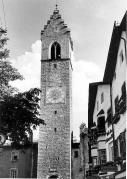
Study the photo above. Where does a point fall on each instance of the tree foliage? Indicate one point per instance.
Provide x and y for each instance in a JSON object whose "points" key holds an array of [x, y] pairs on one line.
{"points": [[19, 112], [7, 71], [19, 115]]}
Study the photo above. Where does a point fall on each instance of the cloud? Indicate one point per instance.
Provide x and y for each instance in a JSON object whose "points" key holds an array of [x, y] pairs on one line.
{"points": [[29, 66], [83, 73]]}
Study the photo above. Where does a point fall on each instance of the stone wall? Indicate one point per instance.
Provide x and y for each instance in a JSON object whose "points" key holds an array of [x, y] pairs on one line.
{"points": [[54, 137]]}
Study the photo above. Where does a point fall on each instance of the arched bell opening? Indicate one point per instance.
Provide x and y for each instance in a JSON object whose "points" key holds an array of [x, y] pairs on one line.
{"points": [[55, 51]]}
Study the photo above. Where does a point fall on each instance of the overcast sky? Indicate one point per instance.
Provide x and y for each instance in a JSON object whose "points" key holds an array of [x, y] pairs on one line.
{"points": [[91, 23]]}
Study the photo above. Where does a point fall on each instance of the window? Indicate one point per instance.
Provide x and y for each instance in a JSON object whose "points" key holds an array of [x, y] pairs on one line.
{"points": [[116, 104], [94, 161], [123, 89], [102, 156], [121, 57], [102, 97], [118, 142], [55, 129], [97, 105], [111, 152], [55, 112], [101, 124], [122, 144], [14, 156], [109, 118], [55, 65], [55, 51], [13, 173], [76, 154]]}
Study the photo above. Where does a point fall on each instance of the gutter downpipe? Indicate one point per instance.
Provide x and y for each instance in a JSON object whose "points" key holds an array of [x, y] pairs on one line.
{"points": [[112, 122]]}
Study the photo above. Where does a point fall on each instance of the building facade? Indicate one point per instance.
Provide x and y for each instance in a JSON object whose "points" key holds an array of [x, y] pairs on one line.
{"points": [[21, 163], [80, 157], [75, 167], [115, 73], [54, 151], [107, 111]]}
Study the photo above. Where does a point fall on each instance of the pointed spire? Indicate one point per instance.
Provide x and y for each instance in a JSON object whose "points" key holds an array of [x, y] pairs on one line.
{"points": [[56, 8]]}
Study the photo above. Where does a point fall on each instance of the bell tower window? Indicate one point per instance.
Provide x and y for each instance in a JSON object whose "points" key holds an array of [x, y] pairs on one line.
{"points": [[55, 51]]}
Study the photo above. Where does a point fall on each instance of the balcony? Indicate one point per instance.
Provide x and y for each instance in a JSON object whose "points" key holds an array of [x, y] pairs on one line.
{"points": [[93, 135], [101, 126], [93, 171], [102, 169], [101, 132], [109, 167]]}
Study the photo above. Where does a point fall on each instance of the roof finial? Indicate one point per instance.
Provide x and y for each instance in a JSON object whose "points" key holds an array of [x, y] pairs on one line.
{"points": [[56, 6]]}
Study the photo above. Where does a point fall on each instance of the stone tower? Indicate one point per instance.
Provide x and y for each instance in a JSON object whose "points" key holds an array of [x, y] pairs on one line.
{"points": [[54, 150]]}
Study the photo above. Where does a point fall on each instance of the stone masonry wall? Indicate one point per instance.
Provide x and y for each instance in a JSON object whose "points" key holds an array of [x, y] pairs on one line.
{"points": [[54, 138]]}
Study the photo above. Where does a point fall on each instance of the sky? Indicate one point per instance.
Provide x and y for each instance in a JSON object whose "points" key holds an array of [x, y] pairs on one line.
{"points": [[91, 24]]}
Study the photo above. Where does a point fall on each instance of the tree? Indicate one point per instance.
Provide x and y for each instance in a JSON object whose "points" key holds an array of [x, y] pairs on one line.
{"points": [[7, 71], [19, 115], [19, 112]]}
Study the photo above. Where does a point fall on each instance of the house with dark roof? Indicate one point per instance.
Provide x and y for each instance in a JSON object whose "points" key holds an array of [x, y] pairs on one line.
{"points": [[107, 111]]}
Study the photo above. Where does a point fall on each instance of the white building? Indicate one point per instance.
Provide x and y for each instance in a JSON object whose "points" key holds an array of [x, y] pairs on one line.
{"points": [[107, 110]]}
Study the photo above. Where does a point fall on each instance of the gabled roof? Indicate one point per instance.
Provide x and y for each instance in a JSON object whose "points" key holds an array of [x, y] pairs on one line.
{"points": [[91, 100], [101, 112], [56, 26], [110, 67], [113, 50]]}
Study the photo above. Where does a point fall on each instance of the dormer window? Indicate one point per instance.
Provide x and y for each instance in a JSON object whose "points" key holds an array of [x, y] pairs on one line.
{"points": [[55, 51]]}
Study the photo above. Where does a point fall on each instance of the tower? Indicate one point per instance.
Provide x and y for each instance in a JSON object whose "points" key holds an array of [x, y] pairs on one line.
{"points": [[54, 149]]}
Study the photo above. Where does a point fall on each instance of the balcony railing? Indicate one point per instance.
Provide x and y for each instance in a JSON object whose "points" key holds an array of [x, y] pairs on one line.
{"points": [[94, 134], [107, 167]]}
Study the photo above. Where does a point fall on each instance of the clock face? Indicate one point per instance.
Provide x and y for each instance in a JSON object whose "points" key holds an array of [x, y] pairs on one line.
{"points": [[55, 95], [2, 139]]}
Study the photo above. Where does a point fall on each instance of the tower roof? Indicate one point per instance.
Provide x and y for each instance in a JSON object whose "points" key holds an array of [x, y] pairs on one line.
{"points": [[56, 27]]}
